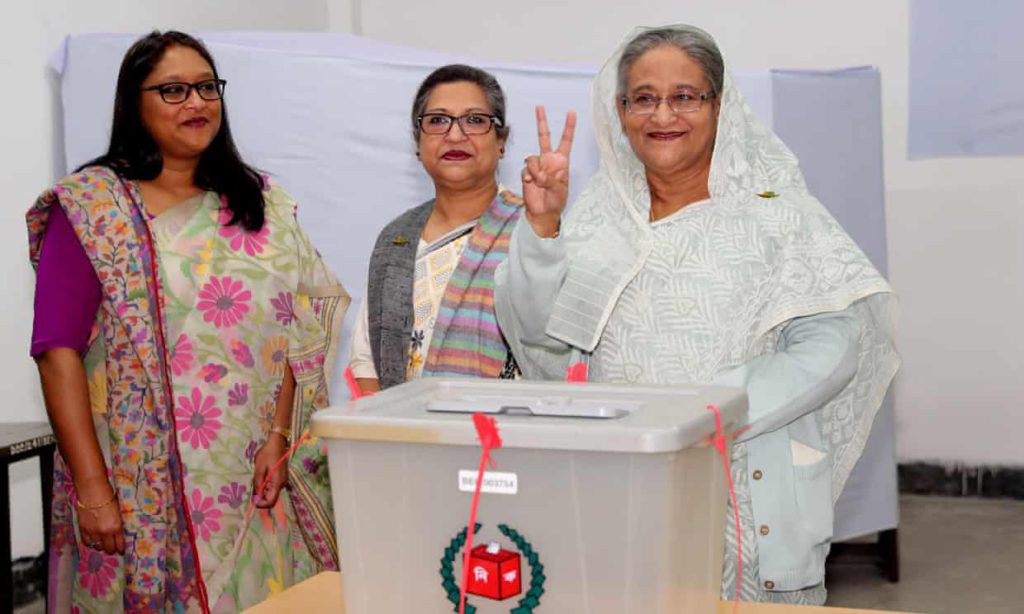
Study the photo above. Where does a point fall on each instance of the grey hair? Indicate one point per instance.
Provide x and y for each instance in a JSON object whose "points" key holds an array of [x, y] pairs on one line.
{"points": [[691, 40], [454, 73]]}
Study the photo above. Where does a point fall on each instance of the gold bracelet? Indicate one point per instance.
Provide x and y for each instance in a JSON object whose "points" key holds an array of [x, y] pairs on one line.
{"points": [[282, 431], [96, 506]]}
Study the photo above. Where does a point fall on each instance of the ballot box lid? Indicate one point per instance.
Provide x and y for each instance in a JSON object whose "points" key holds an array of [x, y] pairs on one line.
{"points": [[539, 415]]}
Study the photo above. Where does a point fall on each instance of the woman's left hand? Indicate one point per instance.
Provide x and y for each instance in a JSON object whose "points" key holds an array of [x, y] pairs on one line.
{"points": [[266, 457]]}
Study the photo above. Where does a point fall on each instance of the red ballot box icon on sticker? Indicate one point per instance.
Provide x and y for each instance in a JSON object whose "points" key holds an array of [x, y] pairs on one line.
{"points": [[494, 573]]}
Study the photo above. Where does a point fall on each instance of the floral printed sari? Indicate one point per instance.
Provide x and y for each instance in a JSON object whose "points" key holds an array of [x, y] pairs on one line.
{"points": [[197, 324]]}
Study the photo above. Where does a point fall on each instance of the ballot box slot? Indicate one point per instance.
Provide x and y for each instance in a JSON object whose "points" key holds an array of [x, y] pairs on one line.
{"points": [[551, 407]]}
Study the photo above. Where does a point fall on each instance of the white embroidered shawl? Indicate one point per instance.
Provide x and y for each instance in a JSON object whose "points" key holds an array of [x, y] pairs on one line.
{"points": [[783, 256]]}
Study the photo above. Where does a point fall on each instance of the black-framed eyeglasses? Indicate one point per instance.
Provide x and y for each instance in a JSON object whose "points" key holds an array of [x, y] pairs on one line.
{"points": [[471, 123], [683, 101], [177, 92]]}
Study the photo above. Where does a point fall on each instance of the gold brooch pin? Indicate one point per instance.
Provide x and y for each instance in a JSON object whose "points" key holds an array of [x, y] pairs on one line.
{"points": [[768, 194], [400, 240]]}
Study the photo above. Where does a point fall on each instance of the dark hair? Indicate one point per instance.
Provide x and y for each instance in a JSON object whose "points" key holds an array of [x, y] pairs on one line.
{"points": [[691, 40], [454, 73], [133, 154]]}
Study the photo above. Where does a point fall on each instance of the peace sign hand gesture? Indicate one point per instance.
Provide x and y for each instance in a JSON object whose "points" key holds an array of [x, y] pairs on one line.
{"points": [[546, 177]]}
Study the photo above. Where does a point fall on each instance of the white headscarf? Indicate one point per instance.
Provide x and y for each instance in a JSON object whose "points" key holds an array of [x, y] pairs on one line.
{"points": [[758, 192]]}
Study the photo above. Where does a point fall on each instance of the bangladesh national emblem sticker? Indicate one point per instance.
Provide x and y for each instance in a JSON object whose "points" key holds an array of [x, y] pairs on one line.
{"points": [[495, 573]]}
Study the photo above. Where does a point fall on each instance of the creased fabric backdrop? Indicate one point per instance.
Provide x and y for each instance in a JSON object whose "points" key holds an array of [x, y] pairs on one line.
{"points": [[328, 115]]}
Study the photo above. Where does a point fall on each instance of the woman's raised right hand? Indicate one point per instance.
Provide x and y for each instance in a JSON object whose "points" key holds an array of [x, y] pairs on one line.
{"points": [[546, 177], [100, 527]]}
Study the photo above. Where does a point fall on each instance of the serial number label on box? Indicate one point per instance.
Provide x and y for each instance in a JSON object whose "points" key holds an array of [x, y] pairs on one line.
{"points": [[495, 482]]}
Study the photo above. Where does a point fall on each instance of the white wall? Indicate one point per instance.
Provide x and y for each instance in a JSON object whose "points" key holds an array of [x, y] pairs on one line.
{"points": [[956, 250], [30, 159], [956, 227]]}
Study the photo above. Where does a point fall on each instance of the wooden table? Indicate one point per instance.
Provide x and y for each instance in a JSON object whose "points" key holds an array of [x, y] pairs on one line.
{"points": [[20, 441], [322, 595]]}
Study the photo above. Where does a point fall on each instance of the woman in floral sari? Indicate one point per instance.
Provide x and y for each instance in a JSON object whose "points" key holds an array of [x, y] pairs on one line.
{"points": [[184, 325]]}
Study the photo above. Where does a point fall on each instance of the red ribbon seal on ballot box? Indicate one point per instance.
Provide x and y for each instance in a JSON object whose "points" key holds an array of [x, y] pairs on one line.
{"points": [[489, 570]]}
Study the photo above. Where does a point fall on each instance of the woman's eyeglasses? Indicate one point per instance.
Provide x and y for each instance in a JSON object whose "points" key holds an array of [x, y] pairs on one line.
{"points": [[683, 101], [177, 92], [471, 123]]}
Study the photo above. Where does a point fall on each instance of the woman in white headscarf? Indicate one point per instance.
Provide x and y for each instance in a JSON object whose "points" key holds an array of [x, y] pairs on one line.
{"points": [[697, 255]]}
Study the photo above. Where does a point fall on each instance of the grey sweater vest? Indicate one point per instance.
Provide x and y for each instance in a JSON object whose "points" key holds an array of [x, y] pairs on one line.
{"points": [[389, 293]]}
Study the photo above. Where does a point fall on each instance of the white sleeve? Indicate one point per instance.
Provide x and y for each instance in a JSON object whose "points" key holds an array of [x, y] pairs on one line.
{"points": [[360, 355], [529, 282]]}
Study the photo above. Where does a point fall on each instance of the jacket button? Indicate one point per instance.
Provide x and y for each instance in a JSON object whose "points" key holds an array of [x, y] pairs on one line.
{"points": [[768, 584], [764, 529], [758, 475]]}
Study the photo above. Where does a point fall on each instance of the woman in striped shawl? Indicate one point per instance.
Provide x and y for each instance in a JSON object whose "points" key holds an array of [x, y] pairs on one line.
{"points": [[429, 307]]}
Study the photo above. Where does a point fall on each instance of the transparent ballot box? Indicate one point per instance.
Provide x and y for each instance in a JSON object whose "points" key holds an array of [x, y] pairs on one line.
{"points": [[603, 498]]}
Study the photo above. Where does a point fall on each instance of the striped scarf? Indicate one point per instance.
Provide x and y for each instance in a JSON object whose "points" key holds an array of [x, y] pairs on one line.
{"points": [[466, 339]]}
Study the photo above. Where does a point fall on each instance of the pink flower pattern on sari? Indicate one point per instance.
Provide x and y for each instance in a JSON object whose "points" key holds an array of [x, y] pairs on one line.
{"points": [[196, 419], [181, 355], [241, 352], [251, 449], [204, 515], [284, 308], [238, 395], [213, 373], [96, 571], [232, 495], [310, 465], [224, 301], [241, 239]]}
